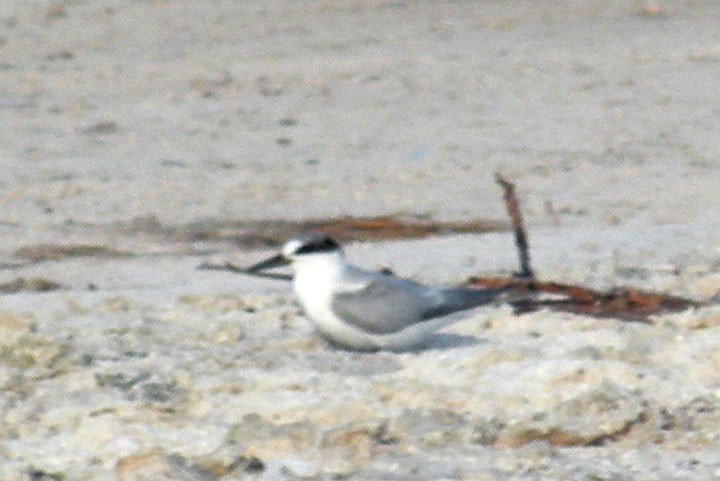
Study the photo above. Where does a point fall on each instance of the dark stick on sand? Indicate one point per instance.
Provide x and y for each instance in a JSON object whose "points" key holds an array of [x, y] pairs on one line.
{"points": [[513, 209]]}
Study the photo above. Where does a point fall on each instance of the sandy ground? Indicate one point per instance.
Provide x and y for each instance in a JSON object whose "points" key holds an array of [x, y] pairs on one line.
{"points": [[127, 125]]}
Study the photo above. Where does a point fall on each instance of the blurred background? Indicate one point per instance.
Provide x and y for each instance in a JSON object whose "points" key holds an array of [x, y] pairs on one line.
{"points": [[604, 112]]}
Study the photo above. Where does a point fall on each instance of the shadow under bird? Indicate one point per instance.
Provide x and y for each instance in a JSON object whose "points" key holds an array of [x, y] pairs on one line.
{"points": [[369, 310]]}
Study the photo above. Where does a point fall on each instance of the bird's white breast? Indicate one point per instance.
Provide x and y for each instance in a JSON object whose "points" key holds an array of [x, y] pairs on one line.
{"points": [[314, 290], [315, 283]]}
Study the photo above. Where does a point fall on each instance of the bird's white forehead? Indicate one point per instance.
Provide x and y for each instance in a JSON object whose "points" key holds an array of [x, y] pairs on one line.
{"points": [[291, 246]]}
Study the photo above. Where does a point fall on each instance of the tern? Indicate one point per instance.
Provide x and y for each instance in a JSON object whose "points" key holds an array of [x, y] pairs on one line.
{"points": [[369, 310]]}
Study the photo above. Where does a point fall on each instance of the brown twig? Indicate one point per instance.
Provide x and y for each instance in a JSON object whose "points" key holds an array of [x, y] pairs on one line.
{"points": [[619, 303], [272, 233], [513, 208]]}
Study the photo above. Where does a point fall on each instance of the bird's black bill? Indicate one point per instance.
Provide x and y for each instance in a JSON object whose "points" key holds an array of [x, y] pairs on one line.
{"points": [[274, 261], [240, 270]]}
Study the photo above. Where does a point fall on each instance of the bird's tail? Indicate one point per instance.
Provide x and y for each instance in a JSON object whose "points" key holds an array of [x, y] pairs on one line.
{"points": [[454, 299], [499, 295]]}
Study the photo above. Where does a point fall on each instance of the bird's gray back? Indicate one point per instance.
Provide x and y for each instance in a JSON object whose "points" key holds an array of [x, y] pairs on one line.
{"points": [[380, 303], [384, 304]]}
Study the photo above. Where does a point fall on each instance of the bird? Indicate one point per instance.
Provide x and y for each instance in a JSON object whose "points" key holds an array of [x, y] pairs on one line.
{"points": [[367, 310]]}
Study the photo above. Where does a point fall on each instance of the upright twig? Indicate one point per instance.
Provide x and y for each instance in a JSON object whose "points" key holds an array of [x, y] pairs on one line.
{"points": [[513, 209]]}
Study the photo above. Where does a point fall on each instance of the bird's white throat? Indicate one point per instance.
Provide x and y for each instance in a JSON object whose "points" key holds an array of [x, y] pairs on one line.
{"points": [[315, 277]]}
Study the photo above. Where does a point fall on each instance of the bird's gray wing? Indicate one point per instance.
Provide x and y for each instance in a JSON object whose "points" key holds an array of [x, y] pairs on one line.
{"points": [[382, 305], [386, 304]]}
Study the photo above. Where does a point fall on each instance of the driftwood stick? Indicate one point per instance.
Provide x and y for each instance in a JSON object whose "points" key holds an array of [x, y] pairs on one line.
{"points": [[626, 304], [513, 208]]}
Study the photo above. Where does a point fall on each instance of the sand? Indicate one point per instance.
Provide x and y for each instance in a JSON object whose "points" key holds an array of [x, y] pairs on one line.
{"points": [[128, 126]]}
